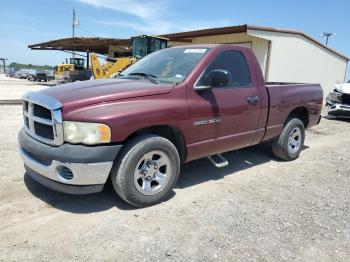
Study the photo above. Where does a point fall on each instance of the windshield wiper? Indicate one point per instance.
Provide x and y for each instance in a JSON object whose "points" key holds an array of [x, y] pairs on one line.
{"points": [[151, 78]]}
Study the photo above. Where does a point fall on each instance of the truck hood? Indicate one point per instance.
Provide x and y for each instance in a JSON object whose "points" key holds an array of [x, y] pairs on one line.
{"points": [[343, 88], [85, 93]]}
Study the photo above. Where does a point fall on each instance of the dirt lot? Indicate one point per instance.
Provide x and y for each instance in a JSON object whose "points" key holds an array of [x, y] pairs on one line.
{"points": [[12, 88], [257, 208]]}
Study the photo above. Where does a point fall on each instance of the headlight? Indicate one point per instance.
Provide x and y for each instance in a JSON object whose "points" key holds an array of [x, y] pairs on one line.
{"points": [[335, 97], [86, 133]]}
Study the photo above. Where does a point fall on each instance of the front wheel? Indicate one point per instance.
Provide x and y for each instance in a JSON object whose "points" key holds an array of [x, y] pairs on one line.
{"points": [[146, 170], [291, 141]]}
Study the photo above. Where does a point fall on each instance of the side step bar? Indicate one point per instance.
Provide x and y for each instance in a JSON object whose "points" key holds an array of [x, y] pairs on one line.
{"points": [[218, 160]]}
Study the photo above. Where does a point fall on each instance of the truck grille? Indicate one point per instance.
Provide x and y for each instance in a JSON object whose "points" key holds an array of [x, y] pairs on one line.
{"points": [[42, 118]]}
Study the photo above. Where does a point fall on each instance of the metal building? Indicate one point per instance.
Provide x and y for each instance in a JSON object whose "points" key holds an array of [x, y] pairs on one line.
{"points": [[284, 55]]}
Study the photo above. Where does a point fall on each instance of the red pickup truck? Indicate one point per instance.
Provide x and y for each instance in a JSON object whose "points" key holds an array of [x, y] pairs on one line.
{"points": [[171, 107]]}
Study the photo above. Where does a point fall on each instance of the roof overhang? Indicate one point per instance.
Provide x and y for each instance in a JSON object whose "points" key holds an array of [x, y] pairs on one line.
{"points": [[89, 44], [82, 44]]}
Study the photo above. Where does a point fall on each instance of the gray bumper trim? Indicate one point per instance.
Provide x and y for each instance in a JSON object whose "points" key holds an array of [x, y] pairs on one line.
{"points": [[64, 188], [83, 173]]}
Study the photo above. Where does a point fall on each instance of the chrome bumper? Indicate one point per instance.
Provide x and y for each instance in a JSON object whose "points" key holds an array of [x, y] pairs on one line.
{"points": [[339, 110], [82, 173]]}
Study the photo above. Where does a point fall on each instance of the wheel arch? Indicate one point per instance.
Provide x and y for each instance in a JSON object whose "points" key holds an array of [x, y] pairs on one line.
{"points": [[173, 134], [301, 113]]}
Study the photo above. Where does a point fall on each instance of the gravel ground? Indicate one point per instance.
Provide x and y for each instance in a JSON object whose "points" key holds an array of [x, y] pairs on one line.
{"points": [[255, 209], [12, 88]]}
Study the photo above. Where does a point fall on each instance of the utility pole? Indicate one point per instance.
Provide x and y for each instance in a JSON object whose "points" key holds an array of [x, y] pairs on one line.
{"points": [[328, 35], [75, 22], [4, 63]]}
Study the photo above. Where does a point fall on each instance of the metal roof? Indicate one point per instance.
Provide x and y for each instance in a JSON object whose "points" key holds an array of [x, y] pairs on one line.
{"points": [[82, 44], [244, 29]]}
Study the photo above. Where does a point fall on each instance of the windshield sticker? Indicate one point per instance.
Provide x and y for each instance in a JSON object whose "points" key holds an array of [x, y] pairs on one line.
{"points": [[195, 50], [178, 76]]}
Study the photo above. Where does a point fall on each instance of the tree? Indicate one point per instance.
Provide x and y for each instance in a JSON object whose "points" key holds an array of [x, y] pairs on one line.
{"points": [[29, 66]]}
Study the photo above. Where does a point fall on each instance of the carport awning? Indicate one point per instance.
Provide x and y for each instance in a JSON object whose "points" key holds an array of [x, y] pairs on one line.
{"points": [[82, 44], [89, 44]]}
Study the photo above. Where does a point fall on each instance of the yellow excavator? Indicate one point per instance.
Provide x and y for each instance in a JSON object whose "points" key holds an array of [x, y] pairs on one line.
{"points": [[110, 68], [141, 46]]}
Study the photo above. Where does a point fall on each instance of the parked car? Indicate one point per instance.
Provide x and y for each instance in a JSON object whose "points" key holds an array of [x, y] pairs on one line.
{"points": [[10, 72], [31, 74], [38, 76], [22, 73], [18, 73], [338, 101], [172, 106]]}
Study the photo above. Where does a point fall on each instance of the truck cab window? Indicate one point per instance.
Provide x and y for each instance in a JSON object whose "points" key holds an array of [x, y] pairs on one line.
{"points": [[235, 63]]}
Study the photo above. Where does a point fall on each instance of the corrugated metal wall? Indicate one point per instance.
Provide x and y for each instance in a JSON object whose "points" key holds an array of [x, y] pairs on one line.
{"points": [[295, 58]]}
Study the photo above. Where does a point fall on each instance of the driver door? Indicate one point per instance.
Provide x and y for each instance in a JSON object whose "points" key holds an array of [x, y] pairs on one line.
{"points": [[227, 115]]}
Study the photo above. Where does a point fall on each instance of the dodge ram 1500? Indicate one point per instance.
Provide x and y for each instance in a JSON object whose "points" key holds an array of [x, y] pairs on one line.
{"points": [[172, 106]]}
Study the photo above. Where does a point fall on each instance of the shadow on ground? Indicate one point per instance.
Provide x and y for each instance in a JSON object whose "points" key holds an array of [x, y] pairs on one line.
{"points": [[341, 119], [48, 84], [203, 170], [192, 173], [77, 203]]}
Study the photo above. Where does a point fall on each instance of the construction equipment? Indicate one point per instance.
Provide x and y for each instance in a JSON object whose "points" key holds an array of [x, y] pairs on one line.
{"points": [[146, 44], [60, 68], [74, 64], [110, 67], [74, 71], [141, 46]]}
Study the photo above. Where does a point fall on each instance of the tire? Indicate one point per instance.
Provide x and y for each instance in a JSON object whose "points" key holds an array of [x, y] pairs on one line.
{"points": [[135, 173], [284, 147]]}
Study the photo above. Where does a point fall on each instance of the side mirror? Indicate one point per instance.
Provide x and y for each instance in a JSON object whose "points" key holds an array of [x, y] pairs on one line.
{"points": [[217, 77], [214, 78]]}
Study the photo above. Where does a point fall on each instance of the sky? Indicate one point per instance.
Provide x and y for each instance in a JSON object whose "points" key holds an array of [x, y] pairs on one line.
{"points": [[32, 21]]}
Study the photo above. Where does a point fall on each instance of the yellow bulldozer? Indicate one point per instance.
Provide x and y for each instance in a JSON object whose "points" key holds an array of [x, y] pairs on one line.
{"points": [[141, 46], [74, 65], [60, 68]]}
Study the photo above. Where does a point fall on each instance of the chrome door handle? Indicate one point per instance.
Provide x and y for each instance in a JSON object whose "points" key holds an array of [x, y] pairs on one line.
{"points": [[253, 100]]}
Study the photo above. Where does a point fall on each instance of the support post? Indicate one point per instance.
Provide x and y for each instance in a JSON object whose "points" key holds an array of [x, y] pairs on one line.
{"points": [[4, 63], [87, 59]]}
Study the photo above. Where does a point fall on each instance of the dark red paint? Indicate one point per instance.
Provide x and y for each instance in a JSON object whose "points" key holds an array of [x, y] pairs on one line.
{"points": [[130, 105]]}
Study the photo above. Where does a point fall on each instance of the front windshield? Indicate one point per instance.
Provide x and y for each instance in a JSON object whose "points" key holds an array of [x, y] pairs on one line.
{"points": [[170, 65]]}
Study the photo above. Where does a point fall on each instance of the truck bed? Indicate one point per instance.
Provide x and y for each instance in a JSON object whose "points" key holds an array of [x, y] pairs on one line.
{"points": [[284, 97]]}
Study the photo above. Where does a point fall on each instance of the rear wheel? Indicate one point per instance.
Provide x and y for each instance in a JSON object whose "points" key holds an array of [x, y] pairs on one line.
{"points": [[290, 142], [146, 170]]}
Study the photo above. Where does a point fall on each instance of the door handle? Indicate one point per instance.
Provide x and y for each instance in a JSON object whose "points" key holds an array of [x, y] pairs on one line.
{"points": [[253, 100]]}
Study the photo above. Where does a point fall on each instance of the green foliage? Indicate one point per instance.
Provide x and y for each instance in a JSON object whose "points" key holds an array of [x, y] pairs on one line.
{"points": [[29, 66]]}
